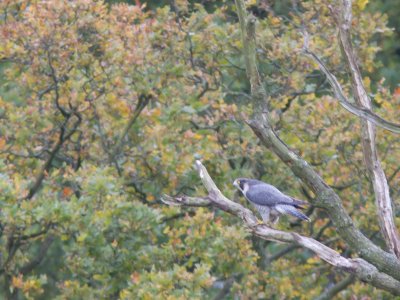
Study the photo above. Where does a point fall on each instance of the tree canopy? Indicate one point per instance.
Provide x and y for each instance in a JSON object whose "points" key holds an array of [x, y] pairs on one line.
{"points": [[106, 106]]}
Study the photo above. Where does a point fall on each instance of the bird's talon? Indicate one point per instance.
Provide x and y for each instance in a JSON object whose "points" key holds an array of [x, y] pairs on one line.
{"points": [[261, 223]]}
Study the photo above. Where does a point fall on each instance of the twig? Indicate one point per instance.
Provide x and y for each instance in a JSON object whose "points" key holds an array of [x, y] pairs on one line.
{"points": [[53, 75], [142, 102], [337, 288]]}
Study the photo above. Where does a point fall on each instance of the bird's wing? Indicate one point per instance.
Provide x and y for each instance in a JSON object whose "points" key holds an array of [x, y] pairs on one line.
{"points": [[265, 194]]}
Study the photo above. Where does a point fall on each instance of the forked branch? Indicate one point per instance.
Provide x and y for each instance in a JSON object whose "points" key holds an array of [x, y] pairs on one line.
{"points": [[343, 16], [361, 112], [383, 201], [363, 270], [326, 196]]}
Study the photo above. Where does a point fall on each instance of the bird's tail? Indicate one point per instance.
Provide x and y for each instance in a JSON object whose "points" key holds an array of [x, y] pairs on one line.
{"points": [[290, 210]]}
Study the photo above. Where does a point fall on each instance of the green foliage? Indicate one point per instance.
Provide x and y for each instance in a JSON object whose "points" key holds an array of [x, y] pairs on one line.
{"points": [[389, 56], [103, 108]]}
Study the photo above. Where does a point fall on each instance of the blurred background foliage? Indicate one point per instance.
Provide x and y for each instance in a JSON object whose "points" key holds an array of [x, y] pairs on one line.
{"points": [[105, 106]]}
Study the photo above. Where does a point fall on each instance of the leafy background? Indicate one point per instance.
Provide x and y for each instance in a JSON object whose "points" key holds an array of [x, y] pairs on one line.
{"points": [[105, 106]]}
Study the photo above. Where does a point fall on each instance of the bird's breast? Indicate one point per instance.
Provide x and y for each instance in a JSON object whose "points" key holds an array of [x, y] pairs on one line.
{"points": [[245, 189]]}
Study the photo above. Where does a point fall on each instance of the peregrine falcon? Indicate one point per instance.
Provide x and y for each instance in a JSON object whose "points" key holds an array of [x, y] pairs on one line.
{"points": [[269, 201]]}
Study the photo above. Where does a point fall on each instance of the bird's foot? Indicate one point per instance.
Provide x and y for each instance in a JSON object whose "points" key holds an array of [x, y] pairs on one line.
{"points": [[262, 223], [270, 224]]}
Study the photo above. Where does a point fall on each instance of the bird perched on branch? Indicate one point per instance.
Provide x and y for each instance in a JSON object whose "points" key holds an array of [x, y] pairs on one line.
{"points": [[269, 201]]}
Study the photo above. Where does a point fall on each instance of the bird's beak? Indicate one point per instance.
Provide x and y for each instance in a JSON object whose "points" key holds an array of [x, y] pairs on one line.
{"points": [[235, 183]]}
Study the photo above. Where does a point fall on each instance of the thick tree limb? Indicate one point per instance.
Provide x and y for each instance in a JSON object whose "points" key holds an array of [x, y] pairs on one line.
{"points": [[326, 196], [381, 188], [359, 267]]}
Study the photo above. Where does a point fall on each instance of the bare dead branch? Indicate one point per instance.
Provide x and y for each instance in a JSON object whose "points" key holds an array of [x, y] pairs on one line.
{"points": [[359, 267], [185, 201], [383, 201], [293, 247], [362, 112]]}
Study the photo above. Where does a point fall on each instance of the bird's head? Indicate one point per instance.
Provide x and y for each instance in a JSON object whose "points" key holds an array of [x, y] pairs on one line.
{"points": [[240, 183], [244, 184]]}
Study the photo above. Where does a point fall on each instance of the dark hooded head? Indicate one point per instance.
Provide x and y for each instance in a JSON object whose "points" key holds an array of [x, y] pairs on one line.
{"points": [[241, 183]]}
